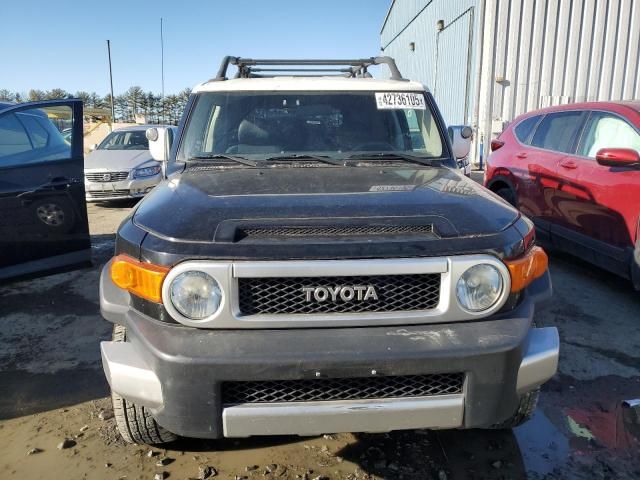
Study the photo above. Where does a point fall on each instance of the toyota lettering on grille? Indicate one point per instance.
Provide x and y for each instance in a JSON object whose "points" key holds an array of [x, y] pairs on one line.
{"points": [[357, 293]]}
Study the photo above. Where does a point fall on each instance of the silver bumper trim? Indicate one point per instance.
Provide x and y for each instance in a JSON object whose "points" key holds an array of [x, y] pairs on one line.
{"points": [[314, 418], [540, 358], [129, 375]]}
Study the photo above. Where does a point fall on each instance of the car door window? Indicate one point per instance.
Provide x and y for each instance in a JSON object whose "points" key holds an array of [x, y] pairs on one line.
{"points": [[37, 132], [605, 130], [13, 138], [31, 136], [524, 129], [557, 131]]}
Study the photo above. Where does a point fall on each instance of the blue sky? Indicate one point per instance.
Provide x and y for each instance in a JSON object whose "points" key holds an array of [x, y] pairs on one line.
{"points": [[48, 44]]}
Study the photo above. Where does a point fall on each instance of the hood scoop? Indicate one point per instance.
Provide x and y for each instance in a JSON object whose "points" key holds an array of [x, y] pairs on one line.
{"points": [[329, 229]]}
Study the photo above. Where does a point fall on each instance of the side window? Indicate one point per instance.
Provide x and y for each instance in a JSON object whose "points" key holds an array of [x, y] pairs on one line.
{"points": [[557, 131], [13, 138], [35, 129], [604, 130], [415, 133], [525, 127], [33, 136], [430, 134]]}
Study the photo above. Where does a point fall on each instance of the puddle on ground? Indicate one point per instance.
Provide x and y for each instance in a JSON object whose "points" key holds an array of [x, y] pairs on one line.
{"points": [[544, 447], [602, 437]]}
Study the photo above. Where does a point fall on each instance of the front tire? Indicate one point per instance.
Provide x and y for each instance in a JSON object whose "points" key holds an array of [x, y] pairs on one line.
{"points": [[507, 194], [135, 423]]}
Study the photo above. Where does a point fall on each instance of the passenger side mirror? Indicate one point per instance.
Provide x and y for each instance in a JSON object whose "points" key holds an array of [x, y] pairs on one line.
{"points": [[160, 140], [460, 136], [618, 157], [93, 147]]}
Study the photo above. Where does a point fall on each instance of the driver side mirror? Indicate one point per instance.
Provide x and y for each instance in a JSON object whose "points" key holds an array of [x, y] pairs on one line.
{"points": [[160, 140], [93, 147], [618, 157], [460, 136]]}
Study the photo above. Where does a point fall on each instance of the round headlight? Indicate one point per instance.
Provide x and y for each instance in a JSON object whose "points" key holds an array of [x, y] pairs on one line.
{"points": [[195, 295], [479, 288]]}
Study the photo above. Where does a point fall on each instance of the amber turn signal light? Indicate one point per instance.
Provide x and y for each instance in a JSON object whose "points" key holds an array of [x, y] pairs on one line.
{"points": [[141, 279], [527, 268]]}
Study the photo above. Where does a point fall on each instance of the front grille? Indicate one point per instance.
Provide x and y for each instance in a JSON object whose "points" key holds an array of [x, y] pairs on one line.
{"points": [[395, 293], [109, 193], [334, 230], [361, 388], [105, 177]]}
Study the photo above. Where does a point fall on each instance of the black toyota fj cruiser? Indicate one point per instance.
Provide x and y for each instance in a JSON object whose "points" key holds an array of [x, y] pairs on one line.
{"points": [[314, 262]]}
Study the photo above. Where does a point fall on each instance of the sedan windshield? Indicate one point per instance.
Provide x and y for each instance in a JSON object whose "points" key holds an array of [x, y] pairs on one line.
{"points": [[127, 140], [259, 126]]}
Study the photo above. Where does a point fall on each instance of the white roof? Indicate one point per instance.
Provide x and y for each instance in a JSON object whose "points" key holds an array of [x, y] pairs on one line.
{"points": [[322, 84]]}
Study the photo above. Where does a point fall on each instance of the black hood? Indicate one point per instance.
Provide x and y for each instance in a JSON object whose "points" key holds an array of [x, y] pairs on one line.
{"points": [[210, 207], [193, 206]]}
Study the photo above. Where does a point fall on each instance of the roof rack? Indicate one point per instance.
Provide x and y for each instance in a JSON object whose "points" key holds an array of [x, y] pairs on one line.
{"points": [[254, 68]]}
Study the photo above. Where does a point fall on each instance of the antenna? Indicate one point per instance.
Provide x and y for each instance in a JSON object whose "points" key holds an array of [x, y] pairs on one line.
{"points": [[162, 68], [113, 116]]}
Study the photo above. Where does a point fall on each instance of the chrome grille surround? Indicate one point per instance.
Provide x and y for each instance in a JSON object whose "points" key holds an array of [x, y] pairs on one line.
{"points": [[106, 177], [330, 389], [228, 275]]}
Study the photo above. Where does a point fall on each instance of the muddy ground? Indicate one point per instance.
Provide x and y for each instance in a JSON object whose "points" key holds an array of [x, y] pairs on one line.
{"points": [[52, 389]]}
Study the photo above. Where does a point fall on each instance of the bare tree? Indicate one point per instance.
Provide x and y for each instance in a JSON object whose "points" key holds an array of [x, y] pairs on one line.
{"points": [[36, 95], [57, 93], [84, 96], [7, 95]]}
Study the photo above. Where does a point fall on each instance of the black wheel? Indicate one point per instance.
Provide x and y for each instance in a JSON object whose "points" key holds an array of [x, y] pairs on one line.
{"points": [[526, 407], [53, 214], [635, 270], [507, 194], [134, 422]]}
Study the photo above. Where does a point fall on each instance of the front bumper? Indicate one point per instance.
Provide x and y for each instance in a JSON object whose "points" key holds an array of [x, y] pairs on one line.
{"points": [[177, 371], [129, 188]]}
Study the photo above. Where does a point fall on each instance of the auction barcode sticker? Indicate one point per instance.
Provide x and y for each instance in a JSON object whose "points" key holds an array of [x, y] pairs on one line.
{"points": [[400, 100]]}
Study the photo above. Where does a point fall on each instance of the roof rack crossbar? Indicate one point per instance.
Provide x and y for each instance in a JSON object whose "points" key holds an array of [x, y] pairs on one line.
{"points": [[354, 68], [343, 70], [298, 75]]}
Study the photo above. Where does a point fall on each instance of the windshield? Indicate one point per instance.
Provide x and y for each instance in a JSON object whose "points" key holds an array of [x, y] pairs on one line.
{"points": [[336, 125], [127, 140]]}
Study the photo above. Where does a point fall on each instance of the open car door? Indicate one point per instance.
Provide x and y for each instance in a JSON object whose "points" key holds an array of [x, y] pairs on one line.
{"points": [[43, 214]]}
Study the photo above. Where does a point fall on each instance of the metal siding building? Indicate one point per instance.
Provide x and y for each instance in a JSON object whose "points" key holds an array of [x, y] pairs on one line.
{"points": [[488, 61]]}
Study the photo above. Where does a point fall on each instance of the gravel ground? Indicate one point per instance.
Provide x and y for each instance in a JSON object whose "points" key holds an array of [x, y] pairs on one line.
{"points": [[53, 389]]}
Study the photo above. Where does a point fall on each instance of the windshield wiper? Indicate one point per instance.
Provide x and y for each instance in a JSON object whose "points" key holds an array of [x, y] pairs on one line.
{"points": [[320, 158], [223, 156], [396, 156]]}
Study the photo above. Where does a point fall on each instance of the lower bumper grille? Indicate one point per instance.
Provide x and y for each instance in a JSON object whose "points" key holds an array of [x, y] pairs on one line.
{"points": [[304, 295], [108, 193], [361, 388]]}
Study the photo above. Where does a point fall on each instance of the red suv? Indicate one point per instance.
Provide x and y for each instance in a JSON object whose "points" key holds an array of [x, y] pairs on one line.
{"points": [[575, 171]]}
